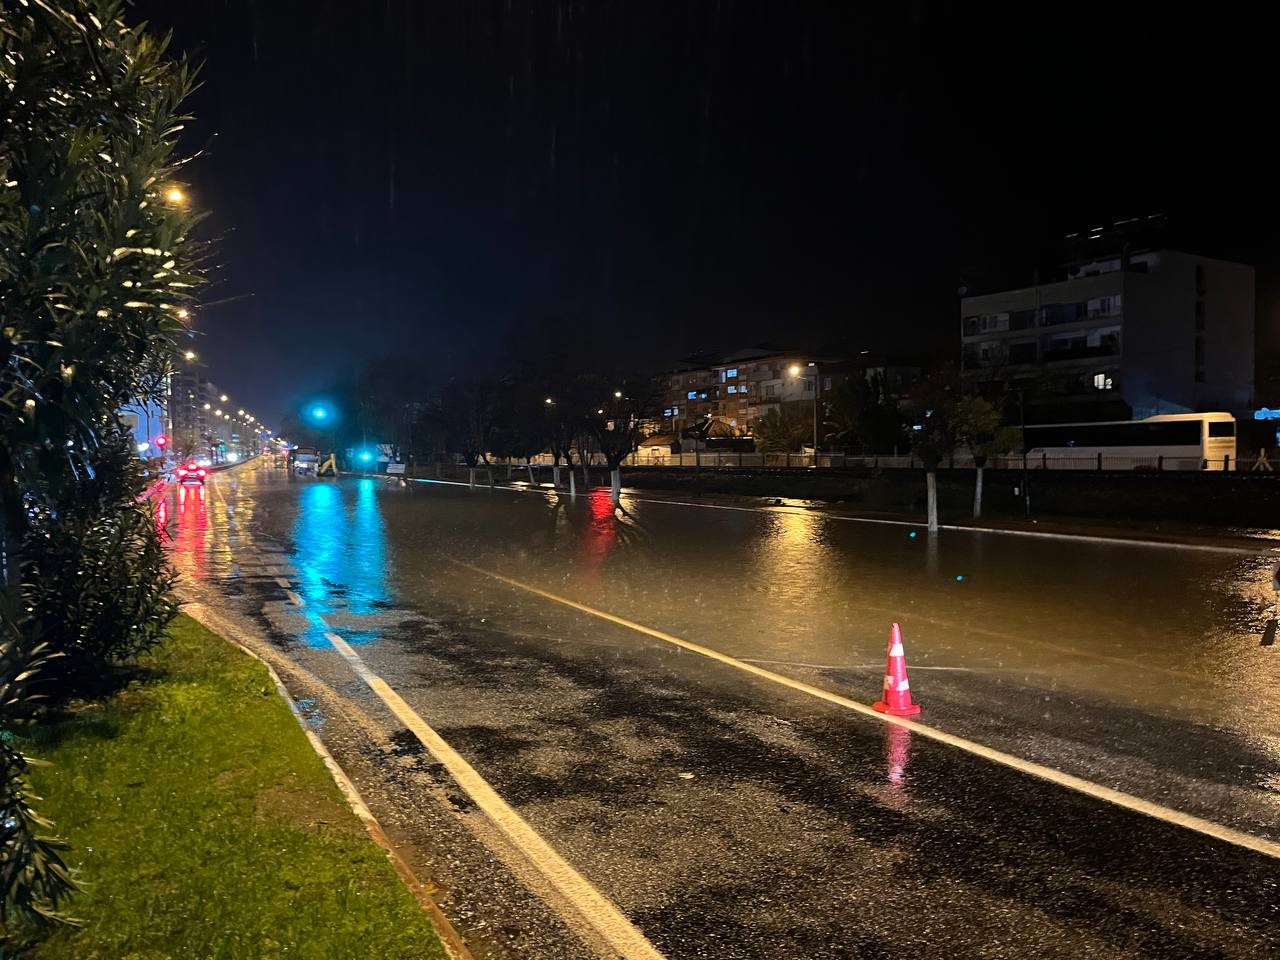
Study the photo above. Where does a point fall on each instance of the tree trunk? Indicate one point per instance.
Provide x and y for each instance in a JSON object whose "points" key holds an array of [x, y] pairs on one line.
{"points": [[573, 487], [977, 495], [471, 477], [509, 469], [555, 474], [586, 477], [931, 485], [615, 478], [529, 466]]}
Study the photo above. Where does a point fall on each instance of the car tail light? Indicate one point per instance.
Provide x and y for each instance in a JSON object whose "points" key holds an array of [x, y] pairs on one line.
{"points": [[181, 472], [200, 472]]}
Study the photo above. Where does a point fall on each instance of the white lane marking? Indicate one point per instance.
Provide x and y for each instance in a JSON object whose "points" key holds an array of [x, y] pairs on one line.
{"points": [[1067, 780], [869, 666], [959, 528], [282, 582], [296, 600], [596, 909]]}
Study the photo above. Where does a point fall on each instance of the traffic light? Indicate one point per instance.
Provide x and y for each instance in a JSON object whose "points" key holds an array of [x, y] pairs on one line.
{"points": [[162, 441]]}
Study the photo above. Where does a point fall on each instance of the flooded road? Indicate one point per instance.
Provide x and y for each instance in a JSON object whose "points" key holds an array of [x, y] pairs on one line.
{"points": [[729, 816]]}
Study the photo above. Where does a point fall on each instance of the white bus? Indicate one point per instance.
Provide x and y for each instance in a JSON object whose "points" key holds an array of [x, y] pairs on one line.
{"points": [[1176, 441]]}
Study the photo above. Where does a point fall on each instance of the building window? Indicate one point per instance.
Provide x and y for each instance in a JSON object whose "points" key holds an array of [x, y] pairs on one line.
{"points": [[693, 395], [1199, 280], [742, 388], [826, 383], [732, 388], [1199, 316], [1199, 359], [1101, 381], [675, 411], [731, 372], [808, 386], [770, 389], [666, 412]]}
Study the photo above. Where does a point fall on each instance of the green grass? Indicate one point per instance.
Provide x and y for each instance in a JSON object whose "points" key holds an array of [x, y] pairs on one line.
{"points": [[204, 826]]}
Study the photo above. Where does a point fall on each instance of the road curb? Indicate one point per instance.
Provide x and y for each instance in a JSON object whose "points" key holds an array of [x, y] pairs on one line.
{"points": [[452, 940]]}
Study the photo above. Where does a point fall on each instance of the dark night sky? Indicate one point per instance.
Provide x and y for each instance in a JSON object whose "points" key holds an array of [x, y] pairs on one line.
{"points": [[413, 178]]}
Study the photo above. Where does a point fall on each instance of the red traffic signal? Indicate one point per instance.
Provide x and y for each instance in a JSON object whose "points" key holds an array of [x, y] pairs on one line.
{"points": [[162, 441]]}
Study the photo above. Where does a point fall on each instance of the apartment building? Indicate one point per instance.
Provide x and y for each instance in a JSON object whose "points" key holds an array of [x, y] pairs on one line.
{"points": [[1130, 335]]}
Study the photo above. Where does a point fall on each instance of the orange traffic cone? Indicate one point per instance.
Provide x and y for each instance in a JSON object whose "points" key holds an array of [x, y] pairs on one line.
{"points": [[897, 691]]}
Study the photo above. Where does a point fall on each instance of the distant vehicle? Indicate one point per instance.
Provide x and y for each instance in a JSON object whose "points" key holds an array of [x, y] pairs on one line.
{"points": [[1175, 441], [305, 460], [191, 473]]}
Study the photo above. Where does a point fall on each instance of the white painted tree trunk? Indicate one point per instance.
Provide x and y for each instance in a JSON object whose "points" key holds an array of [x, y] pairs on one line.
{"points": [[586, 477], [573, 487], [615, 480], [931, 484], [509, 468], [529, 466], [977, 495], [471, 477], [555, 475]]}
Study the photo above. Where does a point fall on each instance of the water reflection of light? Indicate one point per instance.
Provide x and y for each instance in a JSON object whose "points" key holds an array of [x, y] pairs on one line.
{"points": [[340, 555], [189, 549], [790, 558], [601, 532]]}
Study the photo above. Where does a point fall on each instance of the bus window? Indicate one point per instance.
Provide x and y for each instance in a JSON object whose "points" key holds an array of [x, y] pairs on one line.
{"points": [[1222, 428]]}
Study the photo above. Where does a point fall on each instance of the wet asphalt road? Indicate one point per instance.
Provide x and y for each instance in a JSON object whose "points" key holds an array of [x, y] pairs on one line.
{"points": [[728, 816]]}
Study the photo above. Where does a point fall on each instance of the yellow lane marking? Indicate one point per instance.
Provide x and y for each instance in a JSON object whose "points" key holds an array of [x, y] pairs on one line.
{"points": [[621, 935], [282, 582], [1067, 780], [296, 600]]}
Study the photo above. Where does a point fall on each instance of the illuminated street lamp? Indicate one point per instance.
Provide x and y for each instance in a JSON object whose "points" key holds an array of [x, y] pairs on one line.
{"points": [[617, 394], [190, 355], [817, 389], [208, 406], [175, 196], [239, 413], [218, 412], [183, 313], [548, 401], [223, 398]]}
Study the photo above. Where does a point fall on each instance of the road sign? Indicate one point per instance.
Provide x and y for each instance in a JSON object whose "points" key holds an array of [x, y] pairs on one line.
{"points": [[395, 468]]}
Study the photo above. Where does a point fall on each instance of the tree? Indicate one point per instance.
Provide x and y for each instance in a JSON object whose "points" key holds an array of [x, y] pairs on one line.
{"points": [[466, 413], [97, 255], [933, 438], [624, 417], [783, 429], [979, 426], [520, 421], [97, 262], [860, 417]]}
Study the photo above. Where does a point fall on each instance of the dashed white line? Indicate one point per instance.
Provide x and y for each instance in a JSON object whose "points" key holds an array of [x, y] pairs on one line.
{"points": [[282, 582], [296, 600]]}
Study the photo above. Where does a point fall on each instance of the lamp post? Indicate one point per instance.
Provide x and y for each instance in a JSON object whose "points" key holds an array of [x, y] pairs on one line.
{"points": [[817, 390]]}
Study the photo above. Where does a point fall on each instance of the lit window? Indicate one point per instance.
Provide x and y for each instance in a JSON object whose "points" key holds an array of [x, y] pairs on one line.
{"points": [[742, 388], [1101, 381], [731, 372], [675, 411], [732, 388], [666, 412], [693, 395]]}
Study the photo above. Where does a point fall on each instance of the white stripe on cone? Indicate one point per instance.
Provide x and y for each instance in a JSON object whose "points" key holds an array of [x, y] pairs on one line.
{"points": [[896, 650]]}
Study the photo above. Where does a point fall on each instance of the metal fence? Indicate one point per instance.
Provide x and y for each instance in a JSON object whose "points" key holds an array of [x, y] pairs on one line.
{"points": [[734, 460]]}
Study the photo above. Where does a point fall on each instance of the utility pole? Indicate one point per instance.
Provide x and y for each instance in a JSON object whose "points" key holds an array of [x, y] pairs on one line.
{"points": [[1022, 419]]}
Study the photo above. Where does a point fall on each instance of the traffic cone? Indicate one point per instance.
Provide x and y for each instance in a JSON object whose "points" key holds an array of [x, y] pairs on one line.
{"points": [[897, 691]]}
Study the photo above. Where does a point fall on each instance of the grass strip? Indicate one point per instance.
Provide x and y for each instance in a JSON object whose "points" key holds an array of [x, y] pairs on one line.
{"points": [[204, 825]]}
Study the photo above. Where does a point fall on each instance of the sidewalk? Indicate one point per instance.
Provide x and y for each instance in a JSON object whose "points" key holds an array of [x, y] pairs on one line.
{"points": [[203, 824]]}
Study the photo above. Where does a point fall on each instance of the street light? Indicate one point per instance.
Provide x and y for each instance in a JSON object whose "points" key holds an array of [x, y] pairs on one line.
{"points": [[183, 313], [548, 401], [175, 196], [218, 412], [208, 406], [817, 389], [319, 412], [190, 354], [223, 398], [239, 413], [617, 394]]}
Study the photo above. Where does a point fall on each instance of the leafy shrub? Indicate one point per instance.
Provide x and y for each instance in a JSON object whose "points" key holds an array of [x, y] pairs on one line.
{"points": [[33, 879], [96, 582]]}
